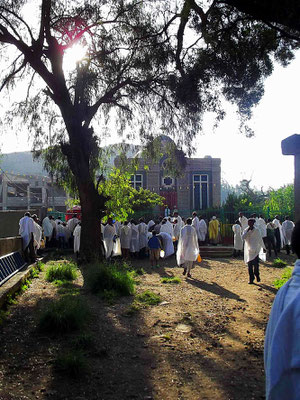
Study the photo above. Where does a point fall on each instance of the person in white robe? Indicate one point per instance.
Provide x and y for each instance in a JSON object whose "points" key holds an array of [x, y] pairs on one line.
{"points": [[176, 229], [262, 227], [134, 241], [72, 223], [177, 217], [243, 221], [237, 239], [117, 226], [53, 237], [37, 234], [188, 247], [253, 248], [282, 351], [150, 224], [196, 224], [125, 238], [287, 229], [167, 243], [167, 227], [26, 230], [202, 230], [109, 234], [143, 241], [61, 235], [48, 229], [77, 234]]}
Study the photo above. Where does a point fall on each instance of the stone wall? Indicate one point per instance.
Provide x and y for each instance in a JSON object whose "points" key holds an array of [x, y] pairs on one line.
{"points": [[9, 222], [9, 245]]}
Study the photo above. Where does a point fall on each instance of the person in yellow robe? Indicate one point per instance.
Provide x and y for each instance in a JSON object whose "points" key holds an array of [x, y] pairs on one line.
{"points": [[213, 230]]}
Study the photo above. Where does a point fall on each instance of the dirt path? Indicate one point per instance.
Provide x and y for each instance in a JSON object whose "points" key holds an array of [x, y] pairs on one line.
{"points": [[204, 341]]}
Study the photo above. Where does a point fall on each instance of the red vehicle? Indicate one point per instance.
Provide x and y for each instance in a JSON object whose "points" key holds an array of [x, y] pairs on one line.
{"points": [[74, 211]]}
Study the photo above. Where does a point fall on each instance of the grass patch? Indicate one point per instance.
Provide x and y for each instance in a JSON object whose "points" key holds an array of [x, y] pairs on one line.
{"points": [[148, 298], [173, 279], [279, 263], [68, 314], [287, 273], [143, 300], [84, 341], [61, 271], [3, 316], [72, 364], [110, 280]]}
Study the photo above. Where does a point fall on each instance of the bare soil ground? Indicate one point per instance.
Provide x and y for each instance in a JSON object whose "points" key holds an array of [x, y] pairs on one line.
{"points": [[204, 341]]}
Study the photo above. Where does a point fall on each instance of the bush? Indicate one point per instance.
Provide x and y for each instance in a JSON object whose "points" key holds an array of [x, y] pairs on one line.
{"points": [[110, 280], [173, 279], [72, 364], [67, 314], [61, 271], [287, 273], [279, 263]]}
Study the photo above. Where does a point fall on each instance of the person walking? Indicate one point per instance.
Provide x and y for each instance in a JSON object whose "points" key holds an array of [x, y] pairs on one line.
{"points": [[188, 247], [253, 246], [287, 229]]}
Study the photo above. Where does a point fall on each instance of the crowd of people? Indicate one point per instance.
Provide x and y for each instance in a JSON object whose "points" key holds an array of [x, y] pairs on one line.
{"points": [[50, 233], [163, 237]]}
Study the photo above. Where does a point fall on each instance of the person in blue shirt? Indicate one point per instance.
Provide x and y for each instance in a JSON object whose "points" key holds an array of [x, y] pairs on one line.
{"points": [[154, 249]]}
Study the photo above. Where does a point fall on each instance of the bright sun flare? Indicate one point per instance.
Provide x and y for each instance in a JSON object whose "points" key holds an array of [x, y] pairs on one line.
{"points": [[73, 55]]}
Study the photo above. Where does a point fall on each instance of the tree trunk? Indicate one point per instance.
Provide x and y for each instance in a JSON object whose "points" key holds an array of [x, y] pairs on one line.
{"points": [[91, 209], [79, 153]]}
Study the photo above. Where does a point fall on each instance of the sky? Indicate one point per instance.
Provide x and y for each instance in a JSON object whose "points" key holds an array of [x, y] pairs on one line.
{"points": [[258, 158]]}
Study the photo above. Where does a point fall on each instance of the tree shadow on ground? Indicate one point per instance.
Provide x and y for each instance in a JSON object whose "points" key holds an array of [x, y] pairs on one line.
{"points": [[214, 288]]}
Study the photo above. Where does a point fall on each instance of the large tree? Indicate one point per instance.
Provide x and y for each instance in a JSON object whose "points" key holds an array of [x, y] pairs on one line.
{"points": [[160, 65]]}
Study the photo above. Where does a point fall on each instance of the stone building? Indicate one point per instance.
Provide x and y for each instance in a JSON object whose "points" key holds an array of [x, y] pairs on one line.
{"points": [[198, 187], [25, 192]]}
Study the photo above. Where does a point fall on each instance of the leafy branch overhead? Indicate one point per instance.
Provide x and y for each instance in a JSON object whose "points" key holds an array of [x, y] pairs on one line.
{"points": [[149, 66]]}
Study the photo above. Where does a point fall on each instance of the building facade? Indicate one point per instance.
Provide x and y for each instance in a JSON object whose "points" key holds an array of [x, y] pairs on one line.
{"points": [[197, 188]]}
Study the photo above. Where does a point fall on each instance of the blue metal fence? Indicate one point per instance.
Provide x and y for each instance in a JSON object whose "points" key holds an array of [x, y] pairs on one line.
{"points": [[10, 264]]}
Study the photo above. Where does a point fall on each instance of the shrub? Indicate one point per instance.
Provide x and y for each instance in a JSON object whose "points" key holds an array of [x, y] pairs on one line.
{"points": [[173, 279], [287, 273], [61, 271], [67, 314], [279, 263], [72, 364], [110, 280]]}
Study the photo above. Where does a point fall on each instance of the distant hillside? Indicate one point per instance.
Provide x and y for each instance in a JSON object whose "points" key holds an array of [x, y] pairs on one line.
{"points": [[23, 163]]}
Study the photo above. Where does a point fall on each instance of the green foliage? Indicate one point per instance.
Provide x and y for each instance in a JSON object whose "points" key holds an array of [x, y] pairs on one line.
{"points": [[278, 263], [143, 300], [72, 363], [61, 271], [280, 201], [287, 273], [68, 314], [124, 200], [110, 280], [173, 279], [148, 298]]}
